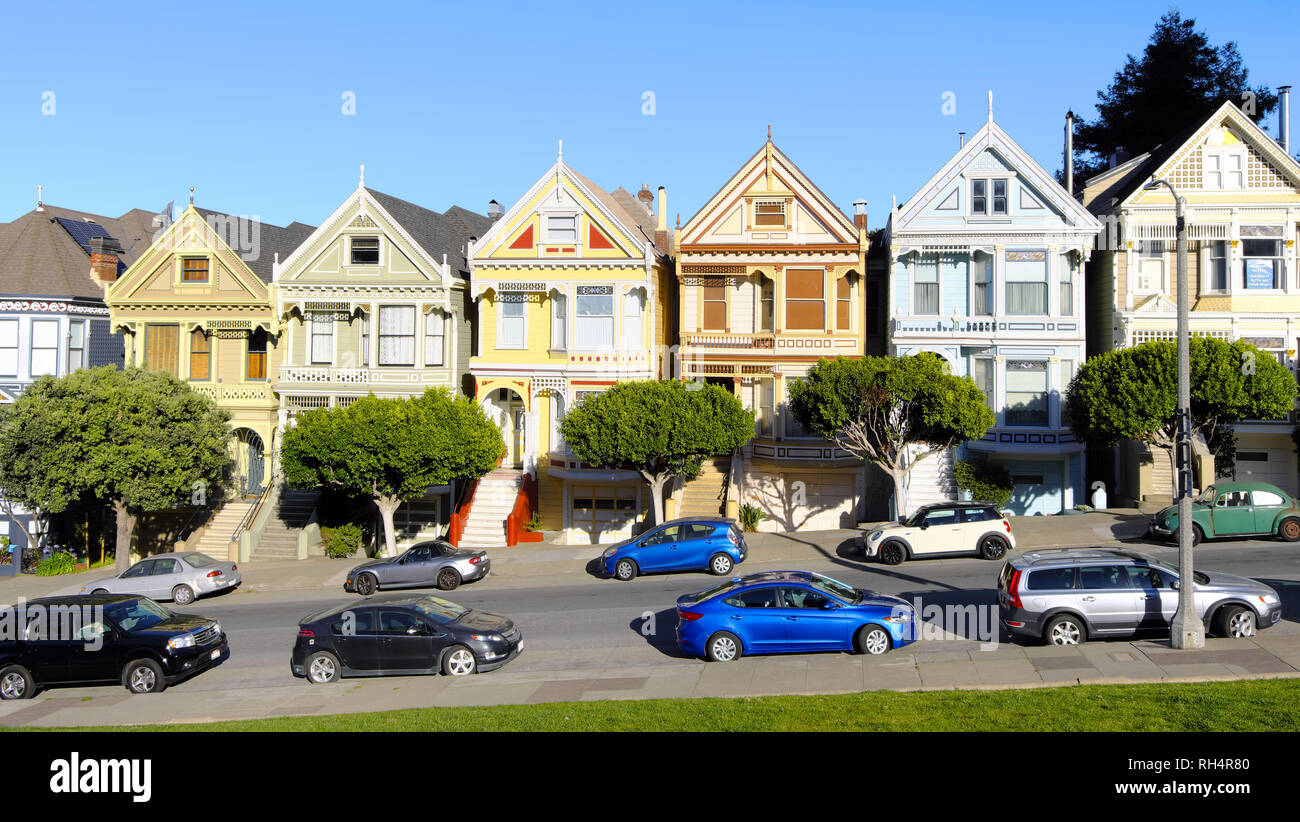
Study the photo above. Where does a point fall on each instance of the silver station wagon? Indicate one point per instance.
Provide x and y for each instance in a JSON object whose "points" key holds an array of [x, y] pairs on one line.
{"points": [[1066, 596]]}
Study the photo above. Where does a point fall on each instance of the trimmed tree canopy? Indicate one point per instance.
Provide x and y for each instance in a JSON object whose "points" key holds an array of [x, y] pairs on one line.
{"points": [[391, 450], [881, 408], [658, 428], [138, 440]]}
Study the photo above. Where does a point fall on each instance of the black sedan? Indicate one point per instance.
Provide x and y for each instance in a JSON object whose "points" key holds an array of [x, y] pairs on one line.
{"points": [[88, 640], [399, 636], [427, 563]]}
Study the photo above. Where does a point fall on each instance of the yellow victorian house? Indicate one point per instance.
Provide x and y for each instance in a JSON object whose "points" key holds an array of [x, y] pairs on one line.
{"points": [[574, 292], [198, 306], [770, 273]]}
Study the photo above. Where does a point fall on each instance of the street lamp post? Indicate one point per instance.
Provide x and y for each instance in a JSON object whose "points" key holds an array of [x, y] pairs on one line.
{"points": [[1187, 631]]}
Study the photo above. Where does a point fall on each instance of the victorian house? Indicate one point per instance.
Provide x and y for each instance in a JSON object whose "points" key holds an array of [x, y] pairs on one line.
{"points": [[1242, 203], [986, 271], [55, 264], [574, 293], [375, 301], [770, 276]]}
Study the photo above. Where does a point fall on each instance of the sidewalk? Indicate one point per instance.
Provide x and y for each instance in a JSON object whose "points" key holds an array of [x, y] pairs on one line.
{"points": [[550, 559]]}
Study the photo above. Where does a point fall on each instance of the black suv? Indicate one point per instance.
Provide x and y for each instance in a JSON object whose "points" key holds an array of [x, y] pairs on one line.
{"points": [[103, 638]]}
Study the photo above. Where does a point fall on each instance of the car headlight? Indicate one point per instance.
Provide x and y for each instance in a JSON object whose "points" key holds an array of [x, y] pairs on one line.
{"points": [[609, 552], [899, 618], [1269, 599], [875, 535], [217, 625], [178, 642]]}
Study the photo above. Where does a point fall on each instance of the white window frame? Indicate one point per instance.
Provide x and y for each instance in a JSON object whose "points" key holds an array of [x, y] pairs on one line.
{"points": [[1222, 153], [937, 283], [548, 231], [606, 291], [989, 187], [312, 335], [53, 325], [380, 335], [435, 321], [512, 298], [379, 249], [785, 215], [1281, 280], [83, 327], [1205, 250], [1047, 392], [559, 321], [1145, 253], [634, 337], [983, 262], [7, 350]]}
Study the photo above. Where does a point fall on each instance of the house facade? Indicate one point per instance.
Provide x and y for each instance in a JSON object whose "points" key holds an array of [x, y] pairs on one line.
{"points": [[375, 301], [770, 276], [1242, 195], [197, 305], [986, 270], [573, 289], [55, 264]]}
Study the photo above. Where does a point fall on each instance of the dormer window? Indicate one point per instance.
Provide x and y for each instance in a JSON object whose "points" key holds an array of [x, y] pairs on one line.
{"points": [[365, 251], [1225, 167], [194, 270], [562, 228], [769, 213], [988, 197]]}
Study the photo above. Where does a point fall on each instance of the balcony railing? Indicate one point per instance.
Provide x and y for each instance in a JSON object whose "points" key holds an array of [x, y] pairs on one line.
{"points": [[1003, 325], [331, 375], [730, 341], [236, 392]]}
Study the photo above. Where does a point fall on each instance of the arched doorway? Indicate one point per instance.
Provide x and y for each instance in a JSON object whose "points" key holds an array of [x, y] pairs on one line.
{"points": [[250, 462], [506, 408]]}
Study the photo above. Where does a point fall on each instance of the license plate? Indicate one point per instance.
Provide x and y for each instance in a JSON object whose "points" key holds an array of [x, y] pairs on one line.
{"points": [[216, 654]]}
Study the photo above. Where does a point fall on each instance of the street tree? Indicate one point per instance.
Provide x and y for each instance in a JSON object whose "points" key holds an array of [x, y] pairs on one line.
{"points": [[661, 429], [136, 440], [391, 449], [1132, 393], [890, 411], [1177, 82]]}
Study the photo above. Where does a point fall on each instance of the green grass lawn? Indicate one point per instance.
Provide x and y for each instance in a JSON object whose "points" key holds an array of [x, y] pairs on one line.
{"points": [[1251, 705]]}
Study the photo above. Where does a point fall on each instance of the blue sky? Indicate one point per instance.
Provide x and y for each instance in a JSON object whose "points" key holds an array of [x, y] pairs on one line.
{"points": [[458, 105]]}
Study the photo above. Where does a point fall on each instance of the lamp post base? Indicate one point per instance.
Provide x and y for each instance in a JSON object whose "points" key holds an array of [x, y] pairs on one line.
{"points": [[1187, 633]]}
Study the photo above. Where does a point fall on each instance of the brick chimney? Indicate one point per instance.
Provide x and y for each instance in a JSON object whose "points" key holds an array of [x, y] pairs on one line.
{"points": [[103, 259], [647, 198], [860, 214]]}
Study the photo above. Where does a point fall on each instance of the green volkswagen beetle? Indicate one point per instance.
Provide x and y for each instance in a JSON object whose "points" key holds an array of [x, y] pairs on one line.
{"points": [[1236, 509]]}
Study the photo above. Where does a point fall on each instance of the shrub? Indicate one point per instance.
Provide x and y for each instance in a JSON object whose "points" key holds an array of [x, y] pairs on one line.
{"points": [[57, 563], [534, 524], [343, 541], [984, 481], [751, 516]]}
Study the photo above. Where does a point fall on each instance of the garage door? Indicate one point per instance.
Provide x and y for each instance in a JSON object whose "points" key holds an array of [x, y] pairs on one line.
{"points": [[602, 513], [1276, 466], [814, 502], [1037, 489]]}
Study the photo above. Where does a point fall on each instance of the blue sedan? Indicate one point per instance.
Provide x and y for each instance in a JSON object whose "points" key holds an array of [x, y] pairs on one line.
{"points": [[713, 544], [789, 612]]}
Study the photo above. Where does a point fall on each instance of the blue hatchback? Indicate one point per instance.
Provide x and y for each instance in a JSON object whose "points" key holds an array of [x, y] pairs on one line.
{"points": [[789, 612], [713, 544]]}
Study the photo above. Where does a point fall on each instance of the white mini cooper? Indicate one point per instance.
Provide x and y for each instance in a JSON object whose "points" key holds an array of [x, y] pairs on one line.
{"points": [[943, 529]]}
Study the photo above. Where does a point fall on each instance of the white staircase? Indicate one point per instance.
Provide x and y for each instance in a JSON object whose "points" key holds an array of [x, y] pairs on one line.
{"points": [[931, 481], [215, 540], [493, 501]]}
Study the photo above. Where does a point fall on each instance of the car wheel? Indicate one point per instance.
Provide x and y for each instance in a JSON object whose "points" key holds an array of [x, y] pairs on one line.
{"points": [[872, 639], [1197, 535], [625, 570], [16, 683], [182, 595], [448, 579], [892, 553], [993, 547], [322, 667], [366, 584], [1289, 530], [143, 676], [1235, 622], [459, 661], [721, 564], [1065, 630], [100, 591], [723, 647]]}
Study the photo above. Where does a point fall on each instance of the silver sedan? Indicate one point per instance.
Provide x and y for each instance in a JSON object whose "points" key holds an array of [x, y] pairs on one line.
{"points": [[181, 576], [429, 563]]}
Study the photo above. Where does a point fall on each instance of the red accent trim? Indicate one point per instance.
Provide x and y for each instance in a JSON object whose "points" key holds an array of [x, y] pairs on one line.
{"points": [[524, 241], [522, 513], [459, 517], [596, 239]]}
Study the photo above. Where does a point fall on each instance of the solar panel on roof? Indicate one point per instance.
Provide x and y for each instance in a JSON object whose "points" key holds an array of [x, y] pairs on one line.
{"points": [[82, 231]]}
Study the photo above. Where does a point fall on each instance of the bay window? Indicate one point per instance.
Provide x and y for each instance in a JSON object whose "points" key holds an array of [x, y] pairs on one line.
{"points": [[9, 348], [559, 321], [435, 337], [511, 315], [1216, 266], [1262, 261], [632, 325], [1026, 276], [982, 276], [322, 337], [925, 284], [1066, 284], [45, 347], [594, 321], [397, 335], [1026, 392]]}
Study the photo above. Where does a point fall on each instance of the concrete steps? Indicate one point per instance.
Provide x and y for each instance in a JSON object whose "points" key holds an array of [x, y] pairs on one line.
{"points": [[280, 539], [220, 527], [932, 481], [493, 502], [705, 495]]}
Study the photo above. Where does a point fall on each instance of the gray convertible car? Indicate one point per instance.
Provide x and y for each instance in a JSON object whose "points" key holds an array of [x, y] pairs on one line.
{"points": [[180, 576], [427, 563]]}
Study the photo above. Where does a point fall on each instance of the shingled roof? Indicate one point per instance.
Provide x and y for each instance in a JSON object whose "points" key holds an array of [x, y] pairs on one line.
{"points": [[272, 240], [628, 209], [438, 234], [40, 257]]}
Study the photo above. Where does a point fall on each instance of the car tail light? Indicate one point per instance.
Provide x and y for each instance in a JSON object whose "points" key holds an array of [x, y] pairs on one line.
{"points": [[731, 535], [475, 560], [212, 574], [689, 616], [306, 632], [1006, 525], [234, 567], [1013, 590]]}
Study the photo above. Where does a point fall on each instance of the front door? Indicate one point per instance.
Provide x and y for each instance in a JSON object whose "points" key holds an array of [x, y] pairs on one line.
{"points": [[810, 625], [1107, 599], [406, 642], [517, 436], [356, 638], [1232, 514]]}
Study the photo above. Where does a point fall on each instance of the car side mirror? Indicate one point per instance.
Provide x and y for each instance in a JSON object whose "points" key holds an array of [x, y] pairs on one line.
{"points": [[925, 525], [830, 606], [1174, 585], [416, 630]]}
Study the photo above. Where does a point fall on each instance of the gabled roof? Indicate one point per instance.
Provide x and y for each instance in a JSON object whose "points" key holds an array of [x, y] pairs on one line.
{"points": [[273, 240], [446, 233], [991, 137], [42, 256], [1122, 183]]}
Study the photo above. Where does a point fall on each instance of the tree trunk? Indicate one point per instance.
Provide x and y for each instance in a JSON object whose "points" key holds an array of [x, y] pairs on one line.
{"points": [[387, 507], [125, 527], [657, 499], [900, 493]]}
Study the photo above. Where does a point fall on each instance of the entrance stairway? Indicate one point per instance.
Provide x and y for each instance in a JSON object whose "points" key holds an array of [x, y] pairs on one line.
{"points": [[931, 481], [493, 501], [217, 531], [705, 495], [280, 539]]}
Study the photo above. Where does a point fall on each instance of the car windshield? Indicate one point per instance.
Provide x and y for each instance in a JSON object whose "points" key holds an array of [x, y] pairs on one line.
{"points": [[835, 588], [708, 593], [137, 614], [1207, 496], [1201, 578], [200, 561], [440, 609]]}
